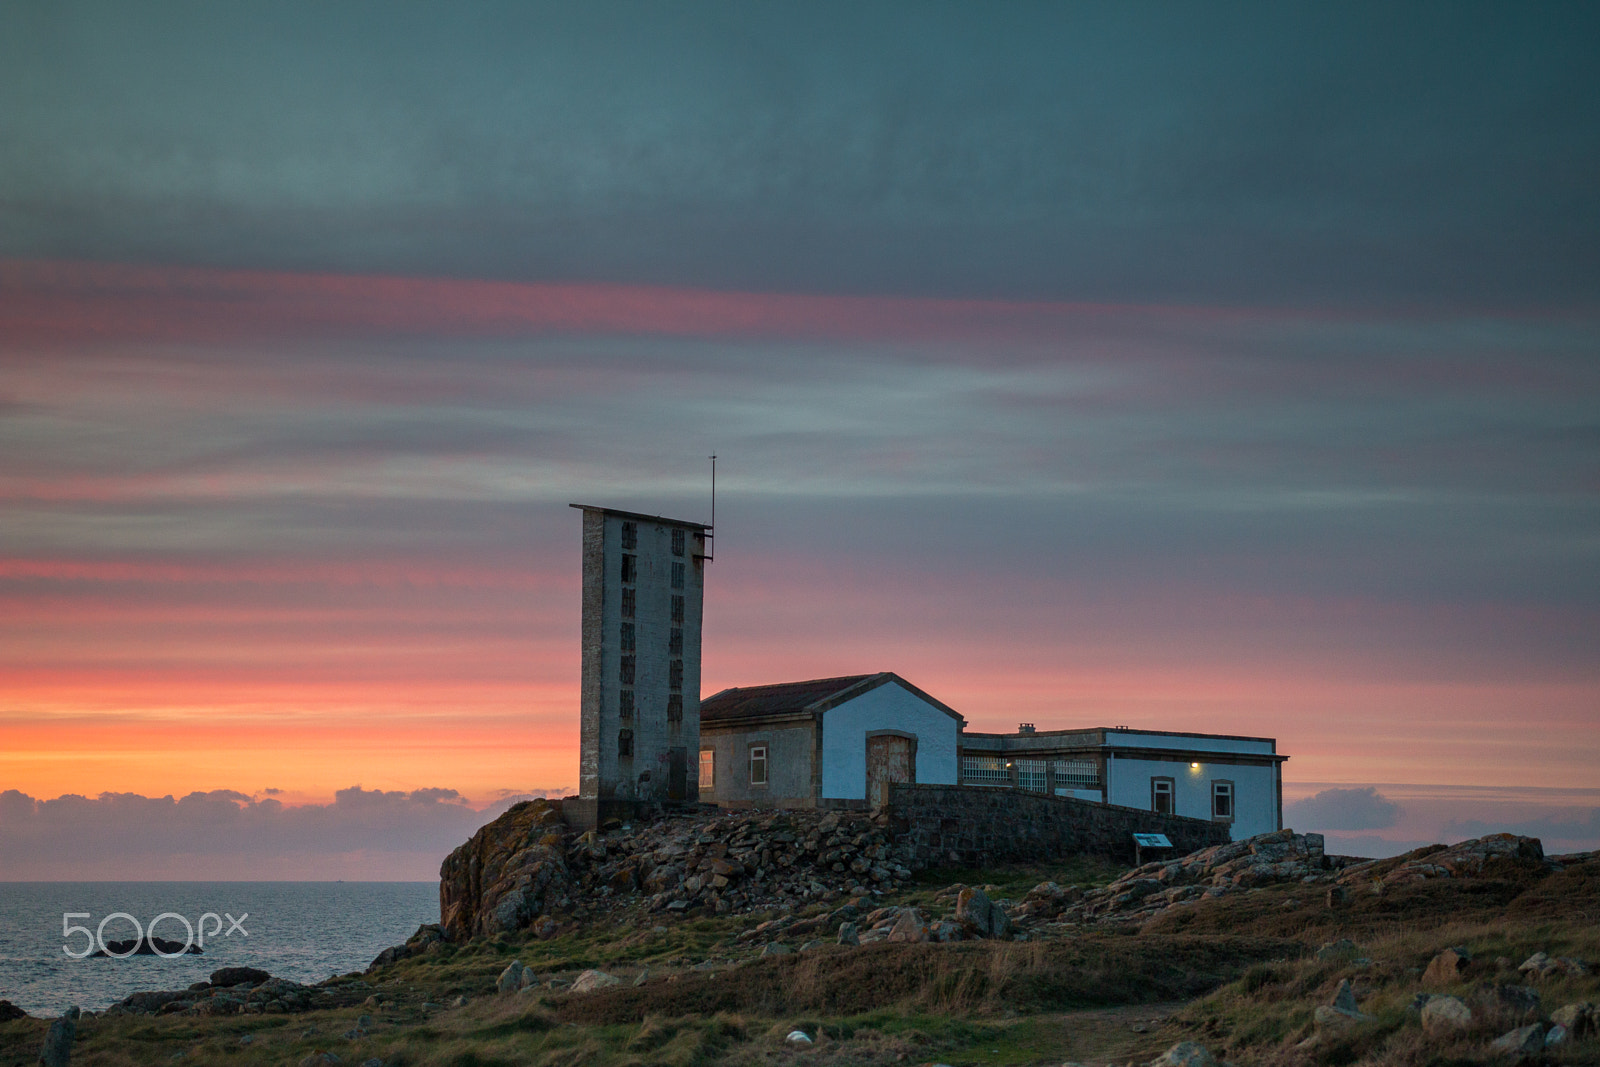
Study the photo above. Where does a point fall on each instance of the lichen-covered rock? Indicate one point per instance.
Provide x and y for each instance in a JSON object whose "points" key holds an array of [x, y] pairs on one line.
{"points": [[1523, 1041], [981, 916], [1447, 968], [589, 981], [57, 1050], [509, 873], [510, 980], [1445, 1015], [1185, 1054]]}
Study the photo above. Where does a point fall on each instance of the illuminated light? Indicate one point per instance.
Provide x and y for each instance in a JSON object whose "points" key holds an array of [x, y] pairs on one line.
{"points": [[1194, 766]]}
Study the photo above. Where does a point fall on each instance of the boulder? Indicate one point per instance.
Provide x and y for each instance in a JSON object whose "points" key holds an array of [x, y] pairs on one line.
{"points": [[1344, 1001], [1448, 967], [57, 1050], [776, 948], [1557, 1036], [509, 873], [849, 934], [910, 927], [228, 977], [589, 981], [1523, 1041], [1185, 1054], [1578, 1019], [9, 1011], [510, 980], [982, 917], [1442, 1016]]}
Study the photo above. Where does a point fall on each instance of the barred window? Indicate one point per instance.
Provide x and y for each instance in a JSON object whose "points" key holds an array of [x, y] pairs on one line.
{"points": [[627, 637], [675, 674], [675, 642], [630, 568], [677, 542], [677, 576], [630, 535], [627, 669], [677, 609], [624, 742], [625, 704], [675, 707]]}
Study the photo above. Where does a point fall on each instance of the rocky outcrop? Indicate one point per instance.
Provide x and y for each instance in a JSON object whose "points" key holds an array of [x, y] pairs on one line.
{"points": [[9, 1011], [509, 873], [523, 870], [145, 946], [57, 1050], [428, 939], [1481, 855], [269, 996]]}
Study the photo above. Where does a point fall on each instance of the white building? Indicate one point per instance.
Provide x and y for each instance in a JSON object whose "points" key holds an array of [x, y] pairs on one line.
{"points": [[843, 741], [824, 741], [1222, 777]]}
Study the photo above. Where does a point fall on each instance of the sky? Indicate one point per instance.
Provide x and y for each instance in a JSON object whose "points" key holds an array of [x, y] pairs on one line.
{"points": [[1230, 368]]}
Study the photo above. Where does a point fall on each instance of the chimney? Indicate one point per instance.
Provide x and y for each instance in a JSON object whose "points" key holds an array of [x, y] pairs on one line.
{"points": [[1024, 727]]}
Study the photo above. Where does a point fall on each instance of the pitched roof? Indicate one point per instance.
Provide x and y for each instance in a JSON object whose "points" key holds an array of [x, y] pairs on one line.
{"points": [[790, 698]]}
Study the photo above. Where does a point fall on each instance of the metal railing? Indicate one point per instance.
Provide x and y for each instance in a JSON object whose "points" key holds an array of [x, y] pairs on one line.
{"points": [[1077, 774], [985, 770], [1030, 775]]}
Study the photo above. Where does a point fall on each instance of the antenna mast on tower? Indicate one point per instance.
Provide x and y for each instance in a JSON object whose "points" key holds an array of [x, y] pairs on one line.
{"points": [[711, 531]]}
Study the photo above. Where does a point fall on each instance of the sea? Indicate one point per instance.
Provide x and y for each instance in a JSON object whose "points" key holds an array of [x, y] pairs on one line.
{"points": [[304, 931]]}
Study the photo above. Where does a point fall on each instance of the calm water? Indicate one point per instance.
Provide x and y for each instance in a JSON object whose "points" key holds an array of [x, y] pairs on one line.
{"points": [[305, 931]]}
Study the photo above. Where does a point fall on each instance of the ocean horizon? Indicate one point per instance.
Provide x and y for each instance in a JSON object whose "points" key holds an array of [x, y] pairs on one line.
{"points": [[303, 931]]}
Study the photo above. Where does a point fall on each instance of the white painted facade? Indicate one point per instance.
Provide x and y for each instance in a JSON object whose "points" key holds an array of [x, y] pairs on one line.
{"points": [[1255, 789], [888, 708]]}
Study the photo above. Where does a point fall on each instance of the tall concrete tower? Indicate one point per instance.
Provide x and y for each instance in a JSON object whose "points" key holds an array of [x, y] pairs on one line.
{"points": [[643, 583]]}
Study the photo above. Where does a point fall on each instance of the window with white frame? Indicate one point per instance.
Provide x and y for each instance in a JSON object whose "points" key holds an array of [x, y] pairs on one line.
{"points": [[1161, 795], [758, 764], [1221, 799]]}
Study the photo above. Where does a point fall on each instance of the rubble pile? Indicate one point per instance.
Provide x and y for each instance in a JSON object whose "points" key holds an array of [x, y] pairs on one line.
{"points": [[1267, 859], [740, 862], [523, 871]]}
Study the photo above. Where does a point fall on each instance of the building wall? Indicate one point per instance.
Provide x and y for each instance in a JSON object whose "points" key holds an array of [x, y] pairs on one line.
{"points": [[605, 773], [888, 707], [1255, 789], [1190, 742], [957, 825], [791, 758]]}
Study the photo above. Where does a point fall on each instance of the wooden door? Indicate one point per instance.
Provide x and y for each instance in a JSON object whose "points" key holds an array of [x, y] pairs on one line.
{"points": [[889, 759]]}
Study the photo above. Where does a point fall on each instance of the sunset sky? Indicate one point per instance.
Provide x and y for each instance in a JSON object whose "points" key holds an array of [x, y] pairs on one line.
{"points": [[1231, 368]]}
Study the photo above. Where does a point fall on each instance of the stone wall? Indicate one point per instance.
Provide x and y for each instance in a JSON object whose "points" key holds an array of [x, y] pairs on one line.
{"points": [[973, 827]]}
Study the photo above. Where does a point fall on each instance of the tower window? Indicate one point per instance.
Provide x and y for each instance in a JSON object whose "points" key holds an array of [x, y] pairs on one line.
{"points": [[675, 674], [630, 535], [627, 669], [677, 542], [625, 742], [630, 568], [675, 707], [677, 576], [675, 642], [625, 704], [627, 637], [677, 609]]}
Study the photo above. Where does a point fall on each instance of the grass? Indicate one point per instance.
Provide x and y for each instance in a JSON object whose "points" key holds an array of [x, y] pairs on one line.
{"points": [[1238, 974]]}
